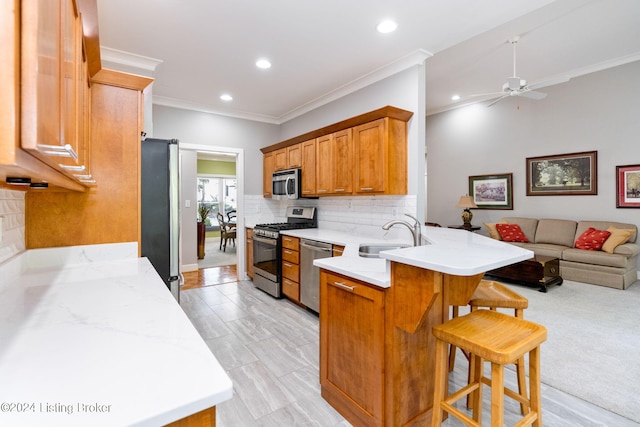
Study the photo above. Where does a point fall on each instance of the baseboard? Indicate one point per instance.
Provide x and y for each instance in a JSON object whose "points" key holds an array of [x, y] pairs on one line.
{"points": [[188, 267]]}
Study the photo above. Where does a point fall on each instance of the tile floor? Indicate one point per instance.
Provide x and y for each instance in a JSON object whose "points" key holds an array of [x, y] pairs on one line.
{"points": [[269, 348]]}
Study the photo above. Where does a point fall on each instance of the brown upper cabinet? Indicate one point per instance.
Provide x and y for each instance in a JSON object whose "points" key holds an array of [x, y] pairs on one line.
{"points": [[308, 150], [366, 154], [268, 168], [46, 93], [289, 157], [334, 157], [380, 164]]}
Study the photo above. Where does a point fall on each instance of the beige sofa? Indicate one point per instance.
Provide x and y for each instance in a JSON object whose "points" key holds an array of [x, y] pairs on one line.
{"points": [[556, 237]]}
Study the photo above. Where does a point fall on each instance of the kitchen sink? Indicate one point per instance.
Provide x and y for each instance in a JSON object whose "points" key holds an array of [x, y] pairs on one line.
{"points": [[372, 250]]}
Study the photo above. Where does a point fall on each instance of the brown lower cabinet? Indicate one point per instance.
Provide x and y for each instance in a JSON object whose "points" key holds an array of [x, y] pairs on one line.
{"points": [[377, 351], [291, 268], [352, 348], [249, 246]]}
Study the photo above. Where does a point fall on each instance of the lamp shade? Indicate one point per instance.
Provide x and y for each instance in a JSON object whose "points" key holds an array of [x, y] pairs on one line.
{"points": [[466, 202]]}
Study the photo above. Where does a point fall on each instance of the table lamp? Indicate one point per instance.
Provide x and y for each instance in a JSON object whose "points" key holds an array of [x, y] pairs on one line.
{"points": [[467, 203]]}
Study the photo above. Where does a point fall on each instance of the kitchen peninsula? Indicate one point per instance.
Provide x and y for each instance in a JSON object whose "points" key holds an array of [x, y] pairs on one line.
{"points": [[376, 346], [90, 335]]}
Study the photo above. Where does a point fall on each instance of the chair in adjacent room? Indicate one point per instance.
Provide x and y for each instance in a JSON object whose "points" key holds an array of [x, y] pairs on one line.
{"points": [[227, 232]]}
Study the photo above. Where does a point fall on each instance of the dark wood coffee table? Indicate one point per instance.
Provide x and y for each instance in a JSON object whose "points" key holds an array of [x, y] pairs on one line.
{"points": [[542, 271]]}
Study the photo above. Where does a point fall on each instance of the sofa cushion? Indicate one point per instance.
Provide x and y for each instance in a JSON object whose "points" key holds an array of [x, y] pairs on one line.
{"points": [[545, 249], [596, 258], [603, 225], [556, 232], [592, 239], [493, 231], [618, 237], [511, 233], [527, 225]]}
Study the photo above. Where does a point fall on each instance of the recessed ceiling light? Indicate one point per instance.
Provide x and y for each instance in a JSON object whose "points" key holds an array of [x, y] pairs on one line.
{"points": [[226, 97], [455, 98], [263, 63], [387, 27]]}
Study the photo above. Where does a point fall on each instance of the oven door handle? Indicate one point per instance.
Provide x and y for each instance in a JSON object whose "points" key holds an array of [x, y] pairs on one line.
{"points": [[272, 242]]}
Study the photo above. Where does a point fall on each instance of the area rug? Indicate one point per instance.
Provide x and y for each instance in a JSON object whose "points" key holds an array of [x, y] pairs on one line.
{"points": [[593, 345], [215, 257]]}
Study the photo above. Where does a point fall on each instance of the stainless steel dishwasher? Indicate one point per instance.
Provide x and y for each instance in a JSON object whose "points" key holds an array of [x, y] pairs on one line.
{"points": [[310, 274]]}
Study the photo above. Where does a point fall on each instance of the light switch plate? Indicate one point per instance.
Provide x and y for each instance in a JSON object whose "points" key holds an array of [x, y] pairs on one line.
{"points": [[187, 203]]}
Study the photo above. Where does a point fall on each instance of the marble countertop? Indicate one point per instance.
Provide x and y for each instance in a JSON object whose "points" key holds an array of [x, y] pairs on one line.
{"points": [[451, 251], [91, 336]]}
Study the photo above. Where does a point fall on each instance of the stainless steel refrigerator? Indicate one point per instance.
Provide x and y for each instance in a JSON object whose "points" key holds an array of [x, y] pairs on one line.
{"points": [[160, 214]]}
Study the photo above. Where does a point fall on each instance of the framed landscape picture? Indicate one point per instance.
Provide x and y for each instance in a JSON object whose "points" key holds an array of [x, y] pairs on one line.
{"points": [[563, 174], [492, 191], [628, 186]]}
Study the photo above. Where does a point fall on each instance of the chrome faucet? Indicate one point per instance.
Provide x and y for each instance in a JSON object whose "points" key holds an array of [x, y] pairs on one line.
{"points": [[416, 230]]}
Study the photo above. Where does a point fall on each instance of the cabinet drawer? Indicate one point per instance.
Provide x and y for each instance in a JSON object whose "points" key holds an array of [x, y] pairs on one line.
{"points": [[291, 289], [291, 256], [291, 243], [291, 271], [338, 250]]}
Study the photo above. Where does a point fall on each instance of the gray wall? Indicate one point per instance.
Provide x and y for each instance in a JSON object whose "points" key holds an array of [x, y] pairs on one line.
{"points": [[599, 111], [194, 127]]}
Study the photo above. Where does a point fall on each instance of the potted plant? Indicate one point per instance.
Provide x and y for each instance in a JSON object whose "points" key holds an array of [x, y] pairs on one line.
{"points": [[203, 212]]}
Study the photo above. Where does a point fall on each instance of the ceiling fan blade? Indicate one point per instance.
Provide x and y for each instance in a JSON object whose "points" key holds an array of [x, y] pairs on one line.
{"points": [[489, 94], [497, 100], [549, 82], [532, 94]]}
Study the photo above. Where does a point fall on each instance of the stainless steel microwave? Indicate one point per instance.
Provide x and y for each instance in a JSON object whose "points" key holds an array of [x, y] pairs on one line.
{"points": [[286, 184]]}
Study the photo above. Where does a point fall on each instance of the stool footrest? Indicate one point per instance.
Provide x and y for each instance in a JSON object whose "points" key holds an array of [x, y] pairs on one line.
{"points": [[468, 389], [459, 415], [507, 391], [527, 420]]}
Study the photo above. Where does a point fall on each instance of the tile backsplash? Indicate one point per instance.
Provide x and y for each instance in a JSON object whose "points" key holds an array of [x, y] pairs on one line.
{"points": [[361, 215], [12, 223]]}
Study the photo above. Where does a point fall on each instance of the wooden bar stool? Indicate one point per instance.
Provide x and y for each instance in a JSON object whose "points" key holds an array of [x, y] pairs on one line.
{"points": [[494, 295], [500, 339]]}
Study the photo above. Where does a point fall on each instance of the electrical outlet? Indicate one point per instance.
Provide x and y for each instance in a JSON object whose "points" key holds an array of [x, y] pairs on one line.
{"points": [[187, 203]]}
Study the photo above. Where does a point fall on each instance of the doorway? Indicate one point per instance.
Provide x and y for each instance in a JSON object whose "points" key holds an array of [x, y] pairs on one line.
{"points": [[216, 189], [194, 154]]}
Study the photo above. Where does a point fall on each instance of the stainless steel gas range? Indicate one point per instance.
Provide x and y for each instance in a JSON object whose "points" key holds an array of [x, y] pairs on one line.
{"points": [[267, 247]]}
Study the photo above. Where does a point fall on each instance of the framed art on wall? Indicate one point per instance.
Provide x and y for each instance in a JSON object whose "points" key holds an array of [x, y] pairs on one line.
{"points": [[628, 186], [492, 191], [563, 174]]}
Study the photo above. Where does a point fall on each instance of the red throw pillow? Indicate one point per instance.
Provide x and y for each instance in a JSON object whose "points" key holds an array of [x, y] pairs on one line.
{"points": [[592, 239], [511, 233]]}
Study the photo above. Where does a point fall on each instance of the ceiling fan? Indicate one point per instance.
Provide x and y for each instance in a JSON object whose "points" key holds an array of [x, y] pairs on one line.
{"points": [[515, 86]]}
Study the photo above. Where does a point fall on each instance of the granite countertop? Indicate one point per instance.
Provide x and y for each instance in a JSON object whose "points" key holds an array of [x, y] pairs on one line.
{"points": [[91, 335], [451, 251]]}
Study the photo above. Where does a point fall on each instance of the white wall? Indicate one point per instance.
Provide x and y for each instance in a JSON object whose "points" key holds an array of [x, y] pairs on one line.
{"points": [[599, 111], [188, 191]]}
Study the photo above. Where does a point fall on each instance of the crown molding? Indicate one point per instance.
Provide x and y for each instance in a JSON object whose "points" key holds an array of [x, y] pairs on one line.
{"points": [[187, 105], [415, 58], [144, 64]]}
